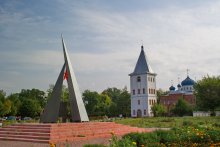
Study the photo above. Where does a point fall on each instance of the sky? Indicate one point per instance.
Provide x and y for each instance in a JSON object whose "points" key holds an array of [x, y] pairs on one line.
{"points": [[104, 39]]}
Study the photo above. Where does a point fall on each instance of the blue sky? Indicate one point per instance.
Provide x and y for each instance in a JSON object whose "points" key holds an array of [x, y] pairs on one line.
{"points": [[103, 39]]}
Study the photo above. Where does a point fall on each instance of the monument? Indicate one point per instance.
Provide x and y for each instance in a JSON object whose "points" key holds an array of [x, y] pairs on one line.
{"points": [[54, 106]]}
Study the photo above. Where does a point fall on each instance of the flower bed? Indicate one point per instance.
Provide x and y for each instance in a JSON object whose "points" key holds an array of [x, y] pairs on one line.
{"points": [[186, 136], [199, 136]]}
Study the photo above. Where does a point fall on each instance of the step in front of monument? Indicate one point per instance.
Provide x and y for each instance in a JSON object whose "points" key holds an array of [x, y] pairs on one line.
{"points": [[63, 132], [24, 139]]}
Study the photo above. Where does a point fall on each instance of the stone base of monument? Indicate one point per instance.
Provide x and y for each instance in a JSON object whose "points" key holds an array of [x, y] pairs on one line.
{"points": [[65, 132]]}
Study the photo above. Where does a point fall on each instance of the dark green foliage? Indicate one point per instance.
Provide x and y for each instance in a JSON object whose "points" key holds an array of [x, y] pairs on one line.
{"points": [[169, 122], [5, 107], [64, 95], [113, 93], [158, 110], [16, 103], [182, 108], [94, 145], [2, 95], [187, 123], [207, 93], [120, 101], [90, 99], [159, 93], [110, 102], [96, 104], [143, 138], [186, 136], [34, 94], [30, 102], [30, 108]]}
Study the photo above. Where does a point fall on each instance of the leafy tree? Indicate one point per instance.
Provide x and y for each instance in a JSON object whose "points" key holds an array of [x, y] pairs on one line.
{"points": [[16, 103], [182, 108], [1, 109], [161, 92], [113, 93], [111, 102], [124, 103], [207, 93], [64, 95], [158, 110], [2, 95], [30, 108], [90, 99], [104, 102], [5, 107], [34, 94], [120, 101], [113, 111]]}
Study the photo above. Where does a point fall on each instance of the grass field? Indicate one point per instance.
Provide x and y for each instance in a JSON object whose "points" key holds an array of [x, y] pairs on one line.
{"points": [[170, 122]]}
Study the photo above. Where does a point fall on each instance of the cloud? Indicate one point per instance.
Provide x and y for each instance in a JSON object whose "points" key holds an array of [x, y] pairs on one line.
{"points": [[104, 42]]}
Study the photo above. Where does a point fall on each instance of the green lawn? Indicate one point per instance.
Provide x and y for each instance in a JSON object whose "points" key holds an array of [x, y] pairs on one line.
{"points": [[170, 122]]}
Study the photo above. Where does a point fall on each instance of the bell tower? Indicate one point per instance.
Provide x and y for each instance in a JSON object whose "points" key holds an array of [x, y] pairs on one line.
{"points": [[143, 87]]}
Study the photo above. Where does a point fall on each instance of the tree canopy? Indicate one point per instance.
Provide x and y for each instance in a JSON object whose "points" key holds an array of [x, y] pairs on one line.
{"points": [[182, 108], [31, 102], [158, 110], [207, 93], [111, 102]]}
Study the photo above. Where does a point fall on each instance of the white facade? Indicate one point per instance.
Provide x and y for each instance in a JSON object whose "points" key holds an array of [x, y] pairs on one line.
{"points": [[187, 88], [143, 88]]}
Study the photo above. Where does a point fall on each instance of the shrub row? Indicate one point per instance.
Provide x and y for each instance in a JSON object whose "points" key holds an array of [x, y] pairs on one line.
{"points": [[178, 137]]}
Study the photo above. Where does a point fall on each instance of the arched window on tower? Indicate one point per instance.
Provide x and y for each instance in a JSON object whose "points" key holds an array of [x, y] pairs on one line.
{"points": [[134, 112], [138, 79]]}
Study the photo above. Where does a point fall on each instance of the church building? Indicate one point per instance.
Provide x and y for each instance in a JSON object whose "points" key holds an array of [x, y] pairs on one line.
{"points": [[143, 87], [184, 90]]}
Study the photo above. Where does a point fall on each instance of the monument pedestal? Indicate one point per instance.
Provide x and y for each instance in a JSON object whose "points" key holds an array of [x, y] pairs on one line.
{"points": [[65, 132]]}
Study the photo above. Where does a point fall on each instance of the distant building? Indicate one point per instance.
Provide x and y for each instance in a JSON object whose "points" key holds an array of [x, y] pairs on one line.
{"points": [[184, 90], [143, 87]]}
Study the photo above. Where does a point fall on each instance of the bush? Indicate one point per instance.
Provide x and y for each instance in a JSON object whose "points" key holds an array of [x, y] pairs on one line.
{"points": [[187, 136], [94, 145], [187, 123], [143, 138]]}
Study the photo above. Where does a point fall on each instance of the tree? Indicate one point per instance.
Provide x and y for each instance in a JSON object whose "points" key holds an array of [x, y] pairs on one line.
{"points": [[161, 92], [15, 104], [5, 107], [124, 103], [158, 110], [30, 108], [207, 93], [90, 99], [182, 108], [64, 95], [113, 93], [104, 102], [120, 101], [2, 95], [34, 94], [1, 109]]}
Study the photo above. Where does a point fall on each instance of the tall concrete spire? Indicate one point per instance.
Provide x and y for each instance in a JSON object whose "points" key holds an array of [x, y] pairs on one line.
{"points": [[78, 111]]}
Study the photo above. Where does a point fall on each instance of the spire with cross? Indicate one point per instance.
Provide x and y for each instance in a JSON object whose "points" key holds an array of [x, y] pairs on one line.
{"points": [[187, 71]]}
